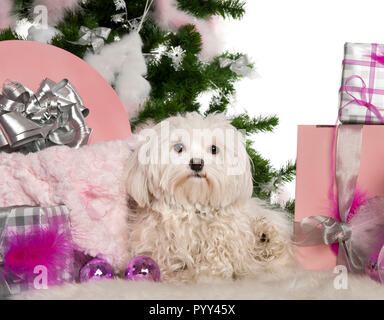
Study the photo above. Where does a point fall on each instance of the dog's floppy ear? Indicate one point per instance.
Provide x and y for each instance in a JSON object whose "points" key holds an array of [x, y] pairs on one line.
{"points": [[137, 180]]}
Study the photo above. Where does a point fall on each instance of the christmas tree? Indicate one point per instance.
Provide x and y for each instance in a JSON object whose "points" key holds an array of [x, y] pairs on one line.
{"points": [[180, 63]]}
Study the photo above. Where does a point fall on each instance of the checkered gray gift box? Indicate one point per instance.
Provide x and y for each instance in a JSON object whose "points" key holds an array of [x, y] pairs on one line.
{"points": [[362, 89], [21, 220]]}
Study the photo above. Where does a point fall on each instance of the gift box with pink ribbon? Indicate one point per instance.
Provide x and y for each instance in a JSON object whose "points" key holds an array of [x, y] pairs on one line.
{"points": [[339, 205], [339, 208], [362, 87]]}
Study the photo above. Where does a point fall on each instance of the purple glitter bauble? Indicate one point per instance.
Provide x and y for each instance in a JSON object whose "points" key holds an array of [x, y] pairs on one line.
{"points": [[96, 269], [374, 267], [142, 268]]}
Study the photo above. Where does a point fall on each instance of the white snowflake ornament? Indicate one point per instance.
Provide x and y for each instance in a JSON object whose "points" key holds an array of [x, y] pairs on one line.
{"points": [[119, 4], [177, 55]]}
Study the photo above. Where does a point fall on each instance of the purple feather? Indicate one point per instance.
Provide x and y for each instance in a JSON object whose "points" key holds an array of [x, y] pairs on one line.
{"points": [[359, 198], [47, 246]]}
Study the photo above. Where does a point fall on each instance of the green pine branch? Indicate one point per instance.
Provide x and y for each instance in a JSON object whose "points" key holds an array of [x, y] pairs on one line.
{"points": [[264, 174], [218, 103], [22, 8], [8, 34], [255, 125], [175, 91], [290, 206], [286, 173], [206, 8], [98, 13]]}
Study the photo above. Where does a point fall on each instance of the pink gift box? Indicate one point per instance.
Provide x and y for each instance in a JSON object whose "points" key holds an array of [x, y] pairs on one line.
{"points": [[314, 177], [31, 62]]}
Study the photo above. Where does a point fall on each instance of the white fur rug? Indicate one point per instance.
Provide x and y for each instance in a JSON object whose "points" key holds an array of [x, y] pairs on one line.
{"points": [[296, 284]]}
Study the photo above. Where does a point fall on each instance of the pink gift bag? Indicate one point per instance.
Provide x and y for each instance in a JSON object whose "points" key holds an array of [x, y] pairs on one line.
{"points": [[31, 62], [314, 178]]}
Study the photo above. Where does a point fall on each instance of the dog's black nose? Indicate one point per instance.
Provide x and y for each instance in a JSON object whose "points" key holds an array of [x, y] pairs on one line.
{"points": [[196, 164]]}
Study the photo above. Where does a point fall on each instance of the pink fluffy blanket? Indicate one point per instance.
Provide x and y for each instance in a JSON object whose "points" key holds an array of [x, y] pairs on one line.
{"points": [[89, 180]]}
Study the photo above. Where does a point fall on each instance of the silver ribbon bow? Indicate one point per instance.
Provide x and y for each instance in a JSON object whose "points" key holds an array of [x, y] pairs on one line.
{"points": [[54, 115], [240, 66], [316, 230], [93, 37]]}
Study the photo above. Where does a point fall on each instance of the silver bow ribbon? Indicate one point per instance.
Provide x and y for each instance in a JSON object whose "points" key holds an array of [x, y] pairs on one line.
{"points": [[93, 37], [54, 115], [316, 230], [240, 66]]}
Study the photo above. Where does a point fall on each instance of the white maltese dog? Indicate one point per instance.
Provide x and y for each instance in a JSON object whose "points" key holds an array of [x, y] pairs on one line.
{"points": [[191, 203]]}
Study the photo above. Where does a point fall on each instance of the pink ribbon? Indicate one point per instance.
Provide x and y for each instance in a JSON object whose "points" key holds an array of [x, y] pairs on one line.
{"points": [[363, 101], [345, 165], [365, 93]]}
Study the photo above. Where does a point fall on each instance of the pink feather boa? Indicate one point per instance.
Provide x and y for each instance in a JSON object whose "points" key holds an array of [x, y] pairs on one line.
{"points": [[57, 9], [359, 198], [169, 17]]}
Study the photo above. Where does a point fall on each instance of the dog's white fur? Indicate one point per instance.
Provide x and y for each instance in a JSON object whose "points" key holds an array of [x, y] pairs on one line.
{"points": [[207, 226]]}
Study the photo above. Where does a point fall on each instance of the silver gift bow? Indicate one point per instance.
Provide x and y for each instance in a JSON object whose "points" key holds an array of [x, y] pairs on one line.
{"points": [[93, 37], [316, 230], [240, 66], [54, 115]]}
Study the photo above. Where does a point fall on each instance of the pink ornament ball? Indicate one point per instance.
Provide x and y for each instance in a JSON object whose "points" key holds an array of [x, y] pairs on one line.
{"points": [[142, 268], [96, 269]]}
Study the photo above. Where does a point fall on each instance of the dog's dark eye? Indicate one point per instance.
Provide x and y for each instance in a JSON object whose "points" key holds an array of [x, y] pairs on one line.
{"points": [[179, 147], [213, 149]]}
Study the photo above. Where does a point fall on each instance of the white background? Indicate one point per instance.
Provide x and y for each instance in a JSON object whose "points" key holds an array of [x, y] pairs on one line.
{"points": [[297, 47]]}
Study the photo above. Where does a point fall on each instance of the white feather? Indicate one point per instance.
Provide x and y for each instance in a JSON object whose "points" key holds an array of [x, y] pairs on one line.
{"points": [[42, 34], [123, 65]]}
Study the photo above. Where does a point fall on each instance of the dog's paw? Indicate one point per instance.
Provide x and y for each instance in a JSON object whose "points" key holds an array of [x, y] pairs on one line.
{"points": [[268, 243]]}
